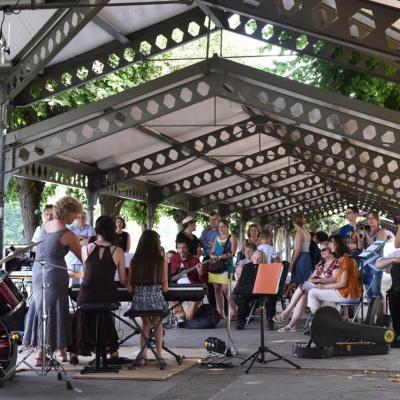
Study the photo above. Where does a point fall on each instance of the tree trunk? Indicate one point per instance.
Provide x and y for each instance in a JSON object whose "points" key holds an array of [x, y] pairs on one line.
{"points": [[29, 194], [111, 205]]}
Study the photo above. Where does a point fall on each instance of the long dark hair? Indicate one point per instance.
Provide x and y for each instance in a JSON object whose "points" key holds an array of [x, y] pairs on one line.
{"points": [[146, 266], [105, 227], [341, 246]]}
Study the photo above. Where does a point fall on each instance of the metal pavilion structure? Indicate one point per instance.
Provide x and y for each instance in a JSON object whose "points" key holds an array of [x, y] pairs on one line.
{"points": [[216, 134]]}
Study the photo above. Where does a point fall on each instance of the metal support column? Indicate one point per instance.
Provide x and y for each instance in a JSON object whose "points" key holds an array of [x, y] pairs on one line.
{"points": [[151, 209], [92, 197], [242, 233], [287, 243], [3, 131]]}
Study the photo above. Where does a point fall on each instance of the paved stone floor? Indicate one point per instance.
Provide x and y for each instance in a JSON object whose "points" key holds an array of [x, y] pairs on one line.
{"points": [[364, 378]]}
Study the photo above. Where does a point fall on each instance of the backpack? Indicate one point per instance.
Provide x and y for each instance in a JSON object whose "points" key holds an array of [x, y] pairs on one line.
{"points": [[206, 317]]}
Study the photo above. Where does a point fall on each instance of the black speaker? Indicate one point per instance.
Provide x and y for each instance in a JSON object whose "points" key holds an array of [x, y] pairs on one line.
{"points": [[327, 328]]}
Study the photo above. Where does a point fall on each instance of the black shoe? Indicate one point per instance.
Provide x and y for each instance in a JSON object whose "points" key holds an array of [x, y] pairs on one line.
{"points": [[270, 325], [181, 322], [241, 325]]}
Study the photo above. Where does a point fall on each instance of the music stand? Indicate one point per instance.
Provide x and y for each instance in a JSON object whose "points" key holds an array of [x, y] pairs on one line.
{"points": [[365, 259], [267, 282]]}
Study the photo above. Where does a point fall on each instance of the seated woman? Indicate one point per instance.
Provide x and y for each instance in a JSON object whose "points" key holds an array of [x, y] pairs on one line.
{"points": [[325, 272], [101, 259], [347, 285], [148, 279]]}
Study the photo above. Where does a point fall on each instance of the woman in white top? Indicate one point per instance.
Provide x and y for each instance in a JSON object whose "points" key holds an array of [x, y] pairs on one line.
{"points": [[300, 264]]}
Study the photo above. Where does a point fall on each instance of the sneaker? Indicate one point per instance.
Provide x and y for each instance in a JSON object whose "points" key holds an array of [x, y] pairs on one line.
{"points": [[241, 325], [181, 322], [270, 325]]}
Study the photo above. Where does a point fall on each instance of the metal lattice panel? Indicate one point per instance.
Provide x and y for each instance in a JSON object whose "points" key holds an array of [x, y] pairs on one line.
{"points": [[215, 174], [266, 180], [46, 49], [361, 162], [108, 123], [47, 173], [363, 25], [310, 45], [333, 173], [312, 107], [111, 57], [252, 205], [311, 204], [195, 147], [344, 181]]}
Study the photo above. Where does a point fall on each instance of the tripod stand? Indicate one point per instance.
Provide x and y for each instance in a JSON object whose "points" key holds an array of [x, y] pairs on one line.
{"points": [[267, 282], [259, 355], [48, 361]]}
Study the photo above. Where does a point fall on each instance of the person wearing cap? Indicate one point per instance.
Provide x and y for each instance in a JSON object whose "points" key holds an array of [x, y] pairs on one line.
{"points": [[186, 235]]}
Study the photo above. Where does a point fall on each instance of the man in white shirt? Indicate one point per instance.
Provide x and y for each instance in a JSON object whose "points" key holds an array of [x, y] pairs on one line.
{"points": [[46, 216], [84, 232]]}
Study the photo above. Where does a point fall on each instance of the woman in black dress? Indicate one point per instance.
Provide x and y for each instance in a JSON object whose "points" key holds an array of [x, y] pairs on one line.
{"points": [[101, 258], [123, 238]]}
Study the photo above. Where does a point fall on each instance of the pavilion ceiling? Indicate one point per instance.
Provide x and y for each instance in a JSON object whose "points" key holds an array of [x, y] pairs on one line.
{"points": [[218, 134]]}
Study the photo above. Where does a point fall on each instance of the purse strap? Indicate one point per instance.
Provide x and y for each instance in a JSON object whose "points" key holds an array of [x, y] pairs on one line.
{"points": [[226, 244]]}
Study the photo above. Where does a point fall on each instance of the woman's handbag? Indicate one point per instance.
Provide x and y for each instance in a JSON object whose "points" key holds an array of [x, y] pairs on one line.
{"points": [[217, 265]]}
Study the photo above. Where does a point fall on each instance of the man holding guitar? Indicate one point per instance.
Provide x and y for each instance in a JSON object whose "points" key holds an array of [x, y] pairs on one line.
{"points": [[186, 268]]}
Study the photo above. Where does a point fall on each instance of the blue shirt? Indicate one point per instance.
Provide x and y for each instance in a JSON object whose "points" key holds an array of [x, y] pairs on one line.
{"points": [[208, 236], [346, 231]]}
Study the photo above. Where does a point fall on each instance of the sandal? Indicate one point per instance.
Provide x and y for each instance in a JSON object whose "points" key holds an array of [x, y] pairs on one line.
{"points": [[279, 318], [287, 328], [38, 361]]}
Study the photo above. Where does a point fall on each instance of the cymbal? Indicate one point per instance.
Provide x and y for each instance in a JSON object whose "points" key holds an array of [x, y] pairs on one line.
{"points": [[19, 251]]}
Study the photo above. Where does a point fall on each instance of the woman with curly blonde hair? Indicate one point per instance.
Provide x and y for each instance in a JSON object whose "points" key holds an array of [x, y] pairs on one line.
{"points": [[56, 240]]}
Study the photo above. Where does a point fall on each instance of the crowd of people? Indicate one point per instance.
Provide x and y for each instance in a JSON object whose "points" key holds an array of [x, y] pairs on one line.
{"points": [[322, 268]]}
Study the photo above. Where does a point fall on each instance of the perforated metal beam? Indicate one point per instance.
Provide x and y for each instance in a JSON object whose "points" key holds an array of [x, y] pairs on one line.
{"points": [[337, 154], [334, 20], [215, 174], [179, 151], [310, 44], [301, 203], [50, 45], [332, 173], [106, 117], [312, 107], [341, 181], [259, 205], [270, 178], [111, 57]]}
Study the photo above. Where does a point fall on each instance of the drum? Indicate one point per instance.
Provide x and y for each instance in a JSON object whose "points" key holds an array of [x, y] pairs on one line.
{"points": [[11, 299], [8, 354]]}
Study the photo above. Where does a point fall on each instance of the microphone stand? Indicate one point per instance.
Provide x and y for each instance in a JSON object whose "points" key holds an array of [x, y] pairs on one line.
{"points": [[48, 359]]}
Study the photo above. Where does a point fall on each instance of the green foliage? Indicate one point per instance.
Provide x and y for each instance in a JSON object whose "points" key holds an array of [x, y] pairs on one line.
{"points": [[136, 211], [337, 79], [48, 192], [13, 227], [11, 195], [86, 94], [79, 194]]}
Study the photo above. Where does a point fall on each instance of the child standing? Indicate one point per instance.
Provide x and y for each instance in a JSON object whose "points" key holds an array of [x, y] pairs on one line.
{"points": [[266, 247]]}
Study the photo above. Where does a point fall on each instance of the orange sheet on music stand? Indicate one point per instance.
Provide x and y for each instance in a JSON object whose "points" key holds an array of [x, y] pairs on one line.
{"points": [[267, 279]]}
